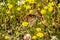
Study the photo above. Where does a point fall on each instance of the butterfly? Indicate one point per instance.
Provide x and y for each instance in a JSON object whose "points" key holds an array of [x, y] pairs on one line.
{"points": [[31, 19]]}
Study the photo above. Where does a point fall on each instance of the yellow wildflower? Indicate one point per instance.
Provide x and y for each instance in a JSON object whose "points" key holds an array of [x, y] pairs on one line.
{"points": [[53, 23], [6, 37], [18, 9], [10, 5], [11, 17], [38, 4], [51, 4], [28, 7], [30, 1], [34, 37], [43, 11], [59, 5], [38, 29], [50, 9], [46, 7], [31, 11], [38, 8], [40, 34], [24, 23], [8, 12]]}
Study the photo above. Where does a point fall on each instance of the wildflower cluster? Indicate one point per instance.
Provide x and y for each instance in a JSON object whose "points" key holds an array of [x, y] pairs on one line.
{"points": [[37, 19]]}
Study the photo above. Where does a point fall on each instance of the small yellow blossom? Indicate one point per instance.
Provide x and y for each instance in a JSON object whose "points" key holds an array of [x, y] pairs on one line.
{"points": [[46, 7], [10, 5], [59, 5], [24, 23], [31, 11], [43, 11], [50, 9], [28, 7], [51, 4], [8, 12], [6, 37], [11, 17], [40, 34], [38, 8], [38, 4], [18, 9], [34, 37], [38, 29], [53, 23], [30, 1]]}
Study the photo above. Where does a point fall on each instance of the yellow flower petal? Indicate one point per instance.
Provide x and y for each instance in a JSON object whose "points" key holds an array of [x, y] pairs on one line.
{"points": [[30, 1], [38, 29], [50, 9], [28, 7], [18, 9], [6, 37], [10, 5], [31, 11], [11, 17], [46, 7], [40, 34], [43, 11], [34, 37], [8, 12], [51, 4], [59, 5], [24, 23]]}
